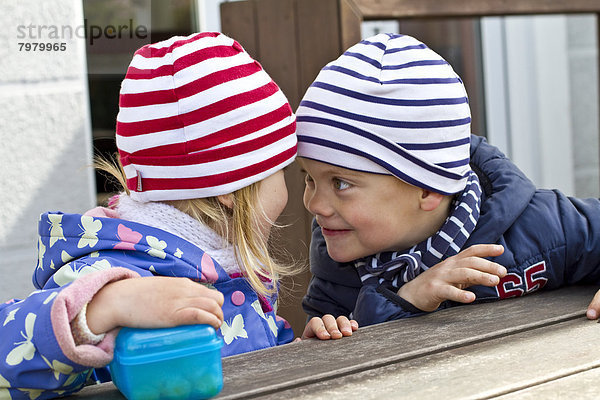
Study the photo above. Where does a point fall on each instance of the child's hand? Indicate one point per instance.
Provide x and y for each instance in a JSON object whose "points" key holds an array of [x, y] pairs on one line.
{"points": [[593, 311], [329, 328], [154, 302], [446, 280]]}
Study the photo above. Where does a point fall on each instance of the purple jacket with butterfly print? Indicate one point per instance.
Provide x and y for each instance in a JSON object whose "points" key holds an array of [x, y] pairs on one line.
{"points": [[78, 255]]}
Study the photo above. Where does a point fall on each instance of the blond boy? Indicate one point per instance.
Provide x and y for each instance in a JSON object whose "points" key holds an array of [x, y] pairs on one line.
{"points": [[412, 212]]}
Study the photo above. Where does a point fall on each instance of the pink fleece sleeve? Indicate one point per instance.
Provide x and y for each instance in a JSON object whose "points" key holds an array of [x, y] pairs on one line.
{"points": [[69, 302], [102, 212]]}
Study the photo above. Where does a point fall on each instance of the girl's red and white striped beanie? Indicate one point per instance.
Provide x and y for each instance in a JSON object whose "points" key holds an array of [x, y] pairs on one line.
{"points": [[390, 105], [198, 117]]}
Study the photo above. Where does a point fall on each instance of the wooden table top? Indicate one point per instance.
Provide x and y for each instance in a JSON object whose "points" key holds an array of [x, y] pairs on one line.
{"points": [[537, 346]]}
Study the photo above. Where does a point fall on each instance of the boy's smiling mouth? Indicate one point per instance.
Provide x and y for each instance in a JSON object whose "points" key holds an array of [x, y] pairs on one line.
{"points": [[333, 232]]}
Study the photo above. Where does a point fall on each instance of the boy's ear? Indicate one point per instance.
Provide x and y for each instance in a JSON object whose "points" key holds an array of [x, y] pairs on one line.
{"points": [[226, 200], [430, 200]]}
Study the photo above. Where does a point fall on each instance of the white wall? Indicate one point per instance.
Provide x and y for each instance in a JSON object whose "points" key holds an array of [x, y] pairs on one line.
{"points": [[541, 85], [45, 139], [582, 41], [209, 15]]}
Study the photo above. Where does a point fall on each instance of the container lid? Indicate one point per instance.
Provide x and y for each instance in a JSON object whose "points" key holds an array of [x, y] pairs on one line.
{"points": [[134, 345]]}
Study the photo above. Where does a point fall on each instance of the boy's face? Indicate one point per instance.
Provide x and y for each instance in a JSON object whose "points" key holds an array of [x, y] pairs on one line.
{"points": [[360, 213]]}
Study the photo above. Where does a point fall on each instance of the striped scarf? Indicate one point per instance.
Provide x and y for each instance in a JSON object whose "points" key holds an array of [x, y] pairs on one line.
{"points": [[395, 268]]}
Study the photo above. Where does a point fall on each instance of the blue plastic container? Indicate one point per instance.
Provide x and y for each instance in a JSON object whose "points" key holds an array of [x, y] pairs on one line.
{"points": [[169, 363]]}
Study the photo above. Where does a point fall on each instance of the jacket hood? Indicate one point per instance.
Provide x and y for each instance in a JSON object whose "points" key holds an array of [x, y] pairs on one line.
{"points": [[506, 190], [67, 237]]}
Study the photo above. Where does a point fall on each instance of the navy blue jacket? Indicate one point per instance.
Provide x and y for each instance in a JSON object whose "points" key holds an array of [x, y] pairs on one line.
{"points": [[550, 240]]}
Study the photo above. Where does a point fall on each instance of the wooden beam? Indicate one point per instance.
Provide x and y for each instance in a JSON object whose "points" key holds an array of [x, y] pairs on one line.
{"points": [[350, 20], [470, 351], [238, 20], [309, 362], [277, 38], [318, 37], [392, 9]]}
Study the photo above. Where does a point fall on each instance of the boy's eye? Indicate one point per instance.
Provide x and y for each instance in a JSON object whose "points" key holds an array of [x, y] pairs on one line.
{"points": [[339, 184], [308, 179]]}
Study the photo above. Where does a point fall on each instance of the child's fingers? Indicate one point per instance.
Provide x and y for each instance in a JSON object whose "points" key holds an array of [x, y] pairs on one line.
{"points": [[469, 277], [482, 250], [480, 264], [193, 315], [332, 326], [453, 293], [201, 290], [209, 305], [315, 328], [202, 298], [483, 265], [213, 294], [593, 311], [191, 303], [345, 326]]}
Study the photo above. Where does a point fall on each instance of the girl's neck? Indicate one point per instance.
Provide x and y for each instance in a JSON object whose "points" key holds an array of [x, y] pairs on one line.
{"points": [[168, 218]]}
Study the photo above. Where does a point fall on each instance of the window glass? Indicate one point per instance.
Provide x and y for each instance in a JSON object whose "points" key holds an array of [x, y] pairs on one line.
{"points": [[117, 28]]}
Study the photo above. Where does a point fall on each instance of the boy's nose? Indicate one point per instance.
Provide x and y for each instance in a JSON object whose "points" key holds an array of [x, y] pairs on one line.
{"points": [[316, 203]]}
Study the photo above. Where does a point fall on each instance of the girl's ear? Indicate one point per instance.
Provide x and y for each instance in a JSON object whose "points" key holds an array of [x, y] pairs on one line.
{"points": [[430, 200], [226, 200]]}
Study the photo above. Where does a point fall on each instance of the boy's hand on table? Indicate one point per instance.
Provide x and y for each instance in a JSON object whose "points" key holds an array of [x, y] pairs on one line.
{"points": [[448, 279], [593, 311], [329, 327]]}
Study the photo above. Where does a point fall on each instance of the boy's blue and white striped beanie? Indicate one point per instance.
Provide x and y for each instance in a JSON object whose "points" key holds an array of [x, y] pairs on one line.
{"points": [[389, 105]]}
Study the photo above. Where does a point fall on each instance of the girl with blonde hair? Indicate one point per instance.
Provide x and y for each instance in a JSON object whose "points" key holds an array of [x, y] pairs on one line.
{"points": [[203, 135]]}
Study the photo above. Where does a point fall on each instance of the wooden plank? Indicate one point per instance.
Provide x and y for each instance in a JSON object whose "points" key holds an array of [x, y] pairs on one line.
{"points": [[104, 391], [268, 31], [277, 35], [472, 62], [238, 20], [318, 37], [582, 386], [350, 20], [390, 9], [480, 370], [307, 362], [317, 44], [294, 240], [405, 342]]}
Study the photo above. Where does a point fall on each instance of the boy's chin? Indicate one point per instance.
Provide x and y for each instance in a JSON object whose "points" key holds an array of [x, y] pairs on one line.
{"points": [[341, 258]]}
